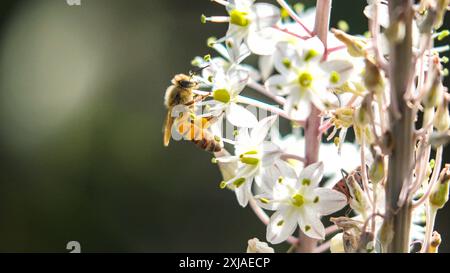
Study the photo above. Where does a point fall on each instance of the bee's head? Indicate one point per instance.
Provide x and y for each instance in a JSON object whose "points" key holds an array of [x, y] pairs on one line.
{"points": [[184, 81]]}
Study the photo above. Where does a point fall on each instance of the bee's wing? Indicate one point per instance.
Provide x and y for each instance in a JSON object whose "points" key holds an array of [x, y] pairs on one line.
{"points": [[168, 128]]}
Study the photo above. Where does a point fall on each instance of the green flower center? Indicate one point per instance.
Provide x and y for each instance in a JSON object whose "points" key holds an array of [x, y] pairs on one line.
{"points": [[298, 200], [310, 55], [305, 79], [335, 77], [239, 18], [222, 95]]}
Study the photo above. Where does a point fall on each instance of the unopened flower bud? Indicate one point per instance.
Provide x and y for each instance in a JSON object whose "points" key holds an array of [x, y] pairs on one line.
{"points": [[355, 46], [439, 193], [427, 21], [441, 9], [376, 171], [434, 93], [256, 246], [434, 243], [396, 31], [373, 78], [442, 119], [358, 201], [337, 243], [363, 113], [440, 138]]}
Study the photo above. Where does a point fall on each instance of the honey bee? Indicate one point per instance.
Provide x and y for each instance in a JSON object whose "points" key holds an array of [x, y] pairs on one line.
{"points": [[194, 129], [342, 187]]}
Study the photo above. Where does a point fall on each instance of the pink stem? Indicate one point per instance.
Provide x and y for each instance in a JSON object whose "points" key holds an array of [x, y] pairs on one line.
{"points": [[312, 133]]}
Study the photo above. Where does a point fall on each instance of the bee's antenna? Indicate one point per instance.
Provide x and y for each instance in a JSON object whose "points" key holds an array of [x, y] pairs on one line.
{"points": [[196, 71]]}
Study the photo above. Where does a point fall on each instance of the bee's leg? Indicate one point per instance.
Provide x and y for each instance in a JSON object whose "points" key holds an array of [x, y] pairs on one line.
{"points": [[198, 98]]}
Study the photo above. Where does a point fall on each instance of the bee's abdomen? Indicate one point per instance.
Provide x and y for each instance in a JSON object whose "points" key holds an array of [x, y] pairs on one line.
{"points": [[209, 145]]}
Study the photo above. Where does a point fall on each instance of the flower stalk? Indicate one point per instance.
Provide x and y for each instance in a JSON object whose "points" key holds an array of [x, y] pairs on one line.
{"points": [[398, 215], [312, 133]]}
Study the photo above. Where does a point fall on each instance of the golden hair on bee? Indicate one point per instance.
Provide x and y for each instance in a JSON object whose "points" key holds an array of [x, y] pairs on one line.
{"points": [[181, 92]]}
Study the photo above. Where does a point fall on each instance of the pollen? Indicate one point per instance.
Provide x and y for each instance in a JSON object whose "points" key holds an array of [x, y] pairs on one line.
{"points": [[223, 185], [211, 41], [298, 200], [280, 223], [305, 79], [310, 55], [316, 200], [250, 160], [238, 182], [307, 228], [287, 63], [221, 95], [443, 34], [264, 200], [335, 77], [239, 18], [203, 19], [306, 182], [280, 179], [343, 25]]}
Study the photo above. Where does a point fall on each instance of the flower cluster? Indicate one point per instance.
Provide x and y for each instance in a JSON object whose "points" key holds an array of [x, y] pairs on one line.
{"points": [[324, 82]]}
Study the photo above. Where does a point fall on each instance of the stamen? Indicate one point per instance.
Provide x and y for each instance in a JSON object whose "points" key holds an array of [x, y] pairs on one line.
{"points": [[298, 200], [221, 2], [215, 19], [294, 16]]}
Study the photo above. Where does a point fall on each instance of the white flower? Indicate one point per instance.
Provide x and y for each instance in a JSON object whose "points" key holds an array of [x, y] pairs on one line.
{"points": [[256, 246], [333, 161], [300, 202], [210, 66], [304, 78], [226, 87], [247, 21], [258, 161]]}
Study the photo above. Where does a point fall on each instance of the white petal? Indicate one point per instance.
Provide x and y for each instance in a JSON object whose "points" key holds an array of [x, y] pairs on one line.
{"points": [[343, 68], [227, 159], [242, 5], [239, 79], [296, 107], [314, 44], [313, 173], [265, 64], [281, 225], [285, 52], [254, 74], [240, 117], [265, 15], [286, 169], [235, 48], [221, 49], [329, 200], [261, 130], [271, 152], [310, 224], [383, 14], [262, 42], [278, 84], [243, 192]]}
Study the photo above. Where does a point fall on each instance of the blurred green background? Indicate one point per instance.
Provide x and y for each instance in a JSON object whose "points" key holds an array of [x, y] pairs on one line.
{"points": [[81, 113]]}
